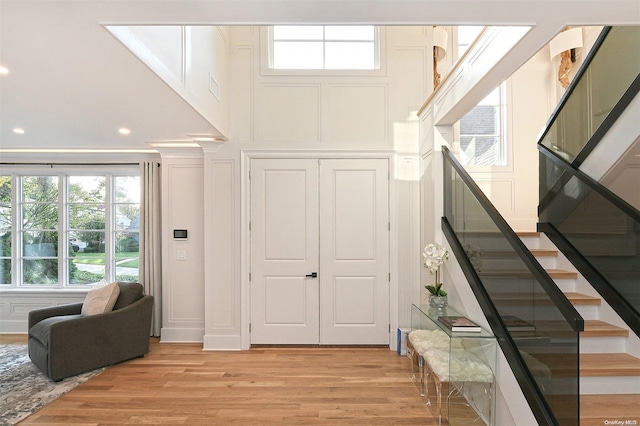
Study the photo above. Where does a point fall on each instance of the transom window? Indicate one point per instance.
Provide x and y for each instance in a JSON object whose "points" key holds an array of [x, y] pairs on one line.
{"points": [[65, 230], [318, 47]]}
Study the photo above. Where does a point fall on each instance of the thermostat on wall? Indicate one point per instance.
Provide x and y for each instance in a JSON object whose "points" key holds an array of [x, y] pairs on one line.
{"points": [[180, 234]]}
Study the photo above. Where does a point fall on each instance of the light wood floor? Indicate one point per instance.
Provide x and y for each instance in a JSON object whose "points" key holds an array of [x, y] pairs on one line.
{"points": [[181, 384]]}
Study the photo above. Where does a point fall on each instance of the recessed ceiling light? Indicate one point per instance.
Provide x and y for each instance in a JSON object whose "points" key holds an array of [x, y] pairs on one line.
{"points": [[124, 131], [4, 70], [18, 131]]}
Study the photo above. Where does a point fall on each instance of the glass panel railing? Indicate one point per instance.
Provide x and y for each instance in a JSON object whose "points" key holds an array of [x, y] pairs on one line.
{"points": [[597, 227], [601, 227], [532, 312], [613, 66]]}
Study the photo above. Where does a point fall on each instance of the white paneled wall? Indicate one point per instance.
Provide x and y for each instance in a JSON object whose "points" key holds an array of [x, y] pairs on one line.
{"points": [[183, 260], [301, 114]]}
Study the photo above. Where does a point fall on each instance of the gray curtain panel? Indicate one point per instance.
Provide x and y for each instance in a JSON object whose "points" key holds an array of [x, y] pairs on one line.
{"points": [[150, 239]]}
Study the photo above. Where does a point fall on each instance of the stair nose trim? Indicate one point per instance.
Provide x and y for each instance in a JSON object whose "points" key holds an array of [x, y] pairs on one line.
{"points": [[597, 328], [605, 365], [582, 299]]}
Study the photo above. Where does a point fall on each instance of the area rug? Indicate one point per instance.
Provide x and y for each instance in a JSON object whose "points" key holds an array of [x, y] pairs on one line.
{"points": [[24, 389]]}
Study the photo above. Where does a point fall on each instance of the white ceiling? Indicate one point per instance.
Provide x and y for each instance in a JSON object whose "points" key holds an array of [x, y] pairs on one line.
{"points": [[73, 85]]}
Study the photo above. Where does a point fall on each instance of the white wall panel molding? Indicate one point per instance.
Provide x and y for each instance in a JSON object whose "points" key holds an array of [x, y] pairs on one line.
{"points": [[222, 242], [357, 113], [316, 153], [410, 78], [500, 191], [242, 121], [183, 260], [289, 112], [16, 305]]}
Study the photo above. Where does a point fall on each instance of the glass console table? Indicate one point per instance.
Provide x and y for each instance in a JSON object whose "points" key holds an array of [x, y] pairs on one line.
{"points": [[453, 370]]}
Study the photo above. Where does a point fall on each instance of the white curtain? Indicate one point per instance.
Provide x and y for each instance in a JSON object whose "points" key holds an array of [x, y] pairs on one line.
{"points": [[150, 239]]}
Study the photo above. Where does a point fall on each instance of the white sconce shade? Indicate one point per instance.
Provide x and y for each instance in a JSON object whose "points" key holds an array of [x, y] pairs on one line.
{"points": [[440, 38], [566, 40]]}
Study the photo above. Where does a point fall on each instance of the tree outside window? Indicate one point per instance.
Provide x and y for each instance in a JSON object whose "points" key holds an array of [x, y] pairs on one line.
{"points": [[127, 229], [5, 229], [39, 230], [73, 229]]}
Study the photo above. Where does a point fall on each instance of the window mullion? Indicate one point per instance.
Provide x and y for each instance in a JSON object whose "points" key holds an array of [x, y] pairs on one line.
{"points": [[63, 197], [109, 259], [16, 231], [324, 47]]}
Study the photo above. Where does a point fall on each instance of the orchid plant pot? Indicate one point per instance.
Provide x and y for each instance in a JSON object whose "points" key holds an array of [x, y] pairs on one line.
{"points": [[438, 302]]}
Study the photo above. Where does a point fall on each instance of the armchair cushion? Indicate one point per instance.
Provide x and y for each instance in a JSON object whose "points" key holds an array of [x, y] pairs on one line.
{"points": [[100, 299], [129, 293], [42, 329]]}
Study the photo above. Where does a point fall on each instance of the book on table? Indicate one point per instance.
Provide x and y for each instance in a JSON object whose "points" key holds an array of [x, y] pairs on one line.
{"points": [[514, 323], [459, 323]]}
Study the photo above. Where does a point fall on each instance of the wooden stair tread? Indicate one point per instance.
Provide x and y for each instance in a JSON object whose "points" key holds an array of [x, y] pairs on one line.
{"points": [[596, 409], [612, 364], [597, 328], [582, 299], [553, 273], [497, 254], [519, 299], [544, 252], [527, 233], [559, 273]]}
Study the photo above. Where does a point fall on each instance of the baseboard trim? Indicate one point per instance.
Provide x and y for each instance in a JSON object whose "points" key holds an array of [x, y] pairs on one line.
{"points": [[181, 335], [222, 343]]}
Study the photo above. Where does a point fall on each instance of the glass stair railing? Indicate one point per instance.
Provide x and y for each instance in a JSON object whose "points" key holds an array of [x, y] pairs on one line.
{"points": [[510, 285], [597, 96], [596, 229]]}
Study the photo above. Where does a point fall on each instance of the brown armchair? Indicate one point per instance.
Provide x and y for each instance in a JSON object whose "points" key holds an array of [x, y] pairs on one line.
{"points": [[62, 343]]}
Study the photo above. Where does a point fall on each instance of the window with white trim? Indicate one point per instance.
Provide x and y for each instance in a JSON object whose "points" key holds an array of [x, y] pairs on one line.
{"points": [[69, 229], [324, 47], [483, 132]]}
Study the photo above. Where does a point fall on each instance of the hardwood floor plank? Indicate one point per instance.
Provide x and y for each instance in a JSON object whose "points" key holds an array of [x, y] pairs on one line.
{"points": [[181, 384]]}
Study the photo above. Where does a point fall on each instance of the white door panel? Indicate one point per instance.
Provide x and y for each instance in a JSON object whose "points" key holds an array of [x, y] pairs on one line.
{"points": [[284, 249], [329, 217], [354, 256]]}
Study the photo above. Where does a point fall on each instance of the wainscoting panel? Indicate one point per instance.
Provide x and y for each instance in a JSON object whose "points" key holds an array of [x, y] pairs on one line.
{"points": [[500, 192], [15, 307]]}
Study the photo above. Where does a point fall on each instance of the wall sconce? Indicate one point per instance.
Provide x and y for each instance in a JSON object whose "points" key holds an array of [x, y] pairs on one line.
{"points": [[563, 49], [440, 38]]}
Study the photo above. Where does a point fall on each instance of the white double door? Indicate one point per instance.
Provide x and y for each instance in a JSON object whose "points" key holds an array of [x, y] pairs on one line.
{"points": [[319, 251]]}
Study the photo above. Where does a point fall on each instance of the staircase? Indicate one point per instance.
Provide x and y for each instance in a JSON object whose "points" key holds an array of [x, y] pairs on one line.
{"points": [[609, 352]]}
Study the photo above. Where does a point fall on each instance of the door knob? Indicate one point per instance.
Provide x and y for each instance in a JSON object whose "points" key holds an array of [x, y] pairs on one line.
{"points": [[312, 275]]}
